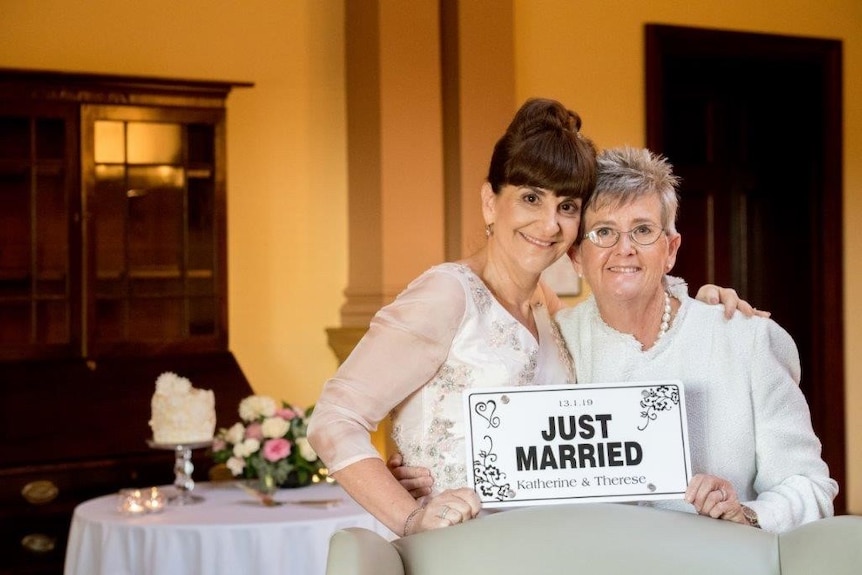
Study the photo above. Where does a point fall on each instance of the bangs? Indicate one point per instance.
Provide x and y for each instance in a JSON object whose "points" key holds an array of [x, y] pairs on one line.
{"points": [[552, 163]]}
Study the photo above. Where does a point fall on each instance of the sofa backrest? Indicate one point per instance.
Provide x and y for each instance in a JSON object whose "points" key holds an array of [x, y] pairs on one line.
{"points": [[598, 539], [830, 546]]}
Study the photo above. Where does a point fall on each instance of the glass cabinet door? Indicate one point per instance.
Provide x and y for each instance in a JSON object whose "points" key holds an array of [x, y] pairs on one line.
{"points": [[39, 310], [153, 200]]}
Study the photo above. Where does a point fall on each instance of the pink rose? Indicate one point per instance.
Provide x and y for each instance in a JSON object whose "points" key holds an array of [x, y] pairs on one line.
{"points": [[218, 444], [285, 413], [276, 449], [254, 431]]}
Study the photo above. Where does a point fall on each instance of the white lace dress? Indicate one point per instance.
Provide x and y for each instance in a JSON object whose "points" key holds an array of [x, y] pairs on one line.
{"points": [[445, 333]]}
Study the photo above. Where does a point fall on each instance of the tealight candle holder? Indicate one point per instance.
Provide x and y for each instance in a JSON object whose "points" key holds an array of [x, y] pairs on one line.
{"points": [[131, 502], [154, 500]]}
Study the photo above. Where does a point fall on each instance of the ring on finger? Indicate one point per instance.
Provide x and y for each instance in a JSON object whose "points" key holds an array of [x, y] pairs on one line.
{"points": [[723, 494], [443, 512]]}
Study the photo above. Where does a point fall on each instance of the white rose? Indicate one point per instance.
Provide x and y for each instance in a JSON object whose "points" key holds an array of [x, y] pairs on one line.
{"points": [[246, 448], [274, 427], [305, 450], [235, 434], [256, 406], [236, 465]]}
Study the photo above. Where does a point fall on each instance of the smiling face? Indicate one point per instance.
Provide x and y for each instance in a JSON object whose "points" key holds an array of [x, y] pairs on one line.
{"points": [[626, 271], [532, 226]]}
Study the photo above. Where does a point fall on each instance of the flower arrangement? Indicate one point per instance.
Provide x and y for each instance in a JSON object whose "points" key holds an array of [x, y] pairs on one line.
{"points": [[269, 444]]}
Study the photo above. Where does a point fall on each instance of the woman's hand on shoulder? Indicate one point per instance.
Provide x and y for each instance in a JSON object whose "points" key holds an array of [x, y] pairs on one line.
{"points": [[416, 480], [713, 294]]}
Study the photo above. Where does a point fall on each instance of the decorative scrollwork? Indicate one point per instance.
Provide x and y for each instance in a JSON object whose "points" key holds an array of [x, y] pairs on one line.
{"points": [[657, 399], [490, 481], [485, 410]]}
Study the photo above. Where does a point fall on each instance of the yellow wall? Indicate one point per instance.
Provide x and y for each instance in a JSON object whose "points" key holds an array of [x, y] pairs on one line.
{"points": [[287, 191]]}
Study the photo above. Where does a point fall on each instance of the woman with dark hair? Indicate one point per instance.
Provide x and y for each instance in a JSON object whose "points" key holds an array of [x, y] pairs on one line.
{"points": [[484, 321]]}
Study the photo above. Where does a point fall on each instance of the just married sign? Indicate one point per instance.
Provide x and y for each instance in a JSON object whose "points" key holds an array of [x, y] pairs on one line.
{"points": [[583, 443]]}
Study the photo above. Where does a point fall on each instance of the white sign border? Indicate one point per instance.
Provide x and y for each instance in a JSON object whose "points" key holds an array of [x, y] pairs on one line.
{"points": [[471, 453]]}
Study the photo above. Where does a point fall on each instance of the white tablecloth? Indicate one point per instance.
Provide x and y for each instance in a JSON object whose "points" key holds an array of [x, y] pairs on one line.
{"points": [[228, 533]]}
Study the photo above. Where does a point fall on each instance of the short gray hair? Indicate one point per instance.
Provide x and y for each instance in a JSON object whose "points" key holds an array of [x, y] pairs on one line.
{"points": [[627, 174]]}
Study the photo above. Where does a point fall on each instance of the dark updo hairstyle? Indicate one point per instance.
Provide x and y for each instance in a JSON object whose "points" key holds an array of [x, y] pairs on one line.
{"points": [[542, 148]]}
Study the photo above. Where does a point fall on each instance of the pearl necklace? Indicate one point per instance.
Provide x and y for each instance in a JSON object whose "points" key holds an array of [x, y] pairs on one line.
{"points": [[665, 318]]}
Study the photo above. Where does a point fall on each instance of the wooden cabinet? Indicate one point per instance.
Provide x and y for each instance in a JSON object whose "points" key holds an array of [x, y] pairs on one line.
{"points": [[113, 269], [39, 230], [112, 216]]}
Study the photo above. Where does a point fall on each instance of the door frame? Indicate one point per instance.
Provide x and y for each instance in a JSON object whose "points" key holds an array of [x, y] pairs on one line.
{"points": [[826, 398]]}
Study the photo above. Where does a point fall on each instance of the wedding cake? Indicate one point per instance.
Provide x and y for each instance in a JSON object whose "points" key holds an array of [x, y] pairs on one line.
{"points": [[181, 414]]}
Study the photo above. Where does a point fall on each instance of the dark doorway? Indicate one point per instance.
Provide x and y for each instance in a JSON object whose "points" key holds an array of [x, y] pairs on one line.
{"points": [[752, 124]]}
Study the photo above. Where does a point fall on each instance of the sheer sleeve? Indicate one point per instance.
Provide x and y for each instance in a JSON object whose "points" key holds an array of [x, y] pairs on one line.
{"points": [[406, 343]]}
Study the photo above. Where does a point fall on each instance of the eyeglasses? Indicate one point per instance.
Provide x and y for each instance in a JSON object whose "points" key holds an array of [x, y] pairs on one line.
{"points": [[642, 235]]}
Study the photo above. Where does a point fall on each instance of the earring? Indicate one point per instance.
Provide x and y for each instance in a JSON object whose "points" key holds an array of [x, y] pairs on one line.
{"points": [[489, 230]]}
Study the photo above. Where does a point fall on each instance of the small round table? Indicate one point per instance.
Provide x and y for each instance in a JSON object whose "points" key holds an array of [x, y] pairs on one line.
{"points": [[227, 533]]}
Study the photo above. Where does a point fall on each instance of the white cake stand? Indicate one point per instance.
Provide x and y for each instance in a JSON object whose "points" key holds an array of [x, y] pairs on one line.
{"points": [[183, 468]]}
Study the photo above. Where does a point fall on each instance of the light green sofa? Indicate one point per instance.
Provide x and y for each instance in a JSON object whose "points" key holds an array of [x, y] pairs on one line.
{"points": [[599, 539]]}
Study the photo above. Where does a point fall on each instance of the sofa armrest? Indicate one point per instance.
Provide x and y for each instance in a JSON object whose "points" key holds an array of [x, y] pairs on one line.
{"points": [[358, 551], [832, 545]]}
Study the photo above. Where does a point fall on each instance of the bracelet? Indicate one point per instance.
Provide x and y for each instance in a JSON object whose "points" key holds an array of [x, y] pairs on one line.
{"points": [[409, 520], [750, 516]]}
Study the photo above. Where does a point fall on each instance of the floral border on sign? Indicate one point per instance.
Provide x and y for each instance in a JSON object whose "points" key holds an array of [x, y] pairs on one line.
{"points": [[490, 481], [656, 400]]}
